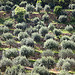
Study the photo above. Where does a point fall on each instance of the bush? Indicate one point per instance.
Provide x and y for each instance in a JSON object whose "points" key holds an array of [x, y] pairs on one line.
{"points": [[48, 62], [47, 53], [20, 11], [68, 44], [66, 66], [36, 20], [47, 8], [57, 32], [73, 38], [66, 53], [8, 23], [28, 42], [32, 74], [15, 70], [49, 36], [57, 10], [38, 8], [27, 51], [9, 3], [22, 35], [7, 8], [40, 71], [5, 62], [5, 29], [26, 15], [0, 43], [23, 4], [72, 6], [69, 28], [73, 13], [45, 17], [14, 6], [62, 18], [51, 44], [43, 31], [29, 8], [11, 53], [22, 26], [7, 36], [1, 30], [2, 8], [17, 31], [11, 42], [51, 26], [36, 37], [65, 37], [22, 60]]}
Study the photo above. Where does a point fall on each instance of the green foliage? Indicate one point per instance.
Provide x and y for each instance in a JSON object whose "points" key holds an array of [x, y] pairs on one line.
{"points": [[28, 42], [40, 71], [0, 43], [68, 53], [45, 17], [15, 70], [57, 32], [69, 28], [9, 3], [51, 44], [51, 26], [22, 60], [11, 53], [73, 13], [8, 23], [7, 36], [68, 44], [36, 20], [73, 38], [43, 31], [22, 35], [36, 37], [19, 11], [27, 51], [71, 6], [7, 8], [47, 8], [47, 53], [62, 18], [23, 4], [57, 10]]}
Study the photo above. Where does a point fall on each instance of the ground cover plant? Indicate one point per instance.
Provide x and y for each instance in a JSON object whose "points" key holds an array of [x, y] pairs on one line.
{"points": [[37, 37]]}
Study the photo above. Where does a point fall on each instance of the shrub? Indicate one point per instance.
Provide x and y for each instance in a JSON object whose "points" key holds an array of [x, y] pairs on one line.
{"points": [[17, 31], [22, 60], [2, 8], [65, 37], [40, 71], [22, 26], [23, 4], [22, 35], [57, 10], [5, 62], [41, 23], [29, 8], [51, 26], [11, 53], [51, 44], [7, 8], [45, 17], [26, 15], [8, 23], [14, 6], [72, 6], [36, 20], [66, 66], [48, 62], [5, 29], [36, 37], [66, 53], [9, 3], [1, 30], [7, 36], [43, 31], [68, 44], [49, 36], [73, 13], [11, 42], [73, 38], [28, 42], [27, 51], [0, 43], [32, 74], [20, 11], [47, 53], [62, 18], [38, 8], [57, 32], [15, 70], [69, 28], [47, 8]]}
